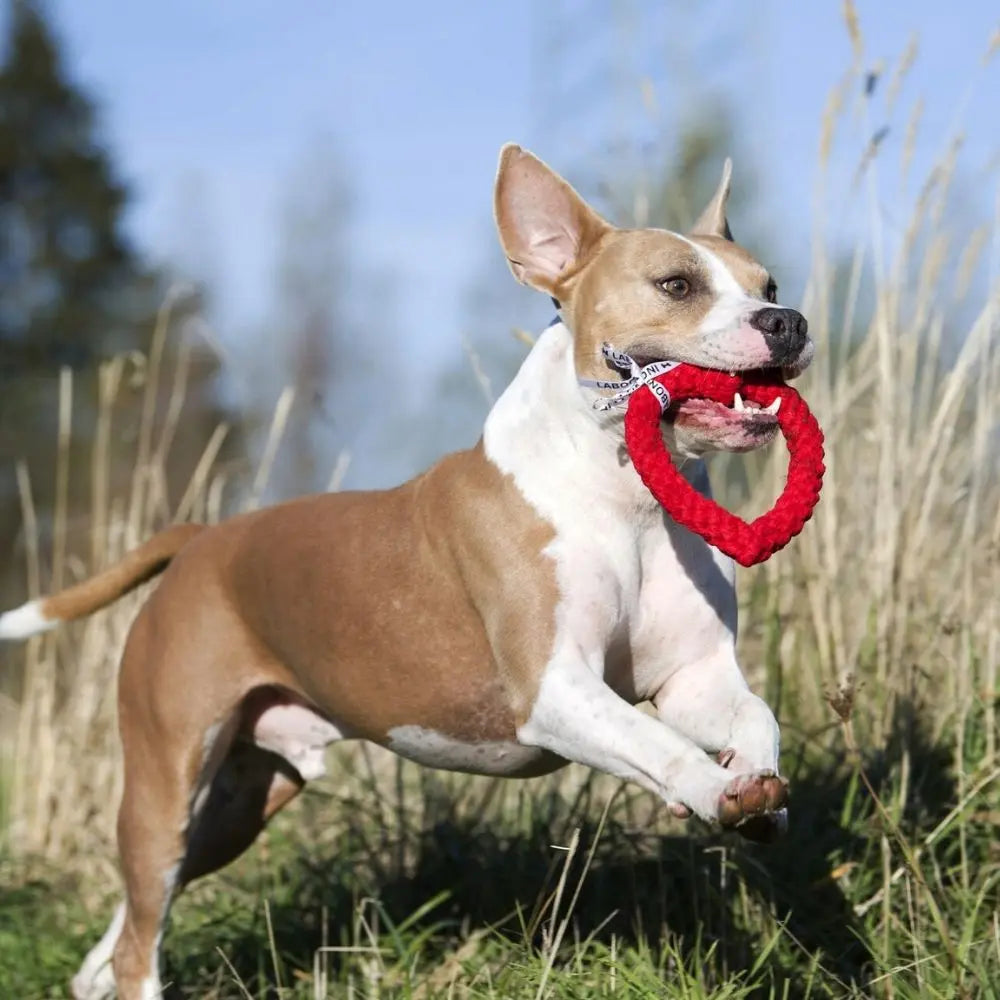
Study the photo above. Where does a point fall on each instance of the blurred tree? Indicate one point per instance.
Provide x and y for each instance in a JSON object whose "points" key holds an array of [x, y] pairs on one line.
{"points": [[331, 331], [311, 285], [193, 246], [72, 288], [73, 292]]}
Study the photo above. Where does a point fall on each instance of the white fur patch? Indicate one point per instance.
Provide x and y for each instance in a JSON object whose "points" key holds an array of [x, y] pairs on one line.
{"points": [[96, 980], [433, 749], [623, 569], [727, 338], [151, 988], [577, 716], [27, 620], [297, 734]]}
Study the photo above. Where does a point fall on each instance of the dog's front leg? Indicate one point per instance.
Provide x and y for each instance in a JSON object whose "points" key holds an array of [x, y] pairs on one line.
{"points": [[711, 704], [577, 716]]}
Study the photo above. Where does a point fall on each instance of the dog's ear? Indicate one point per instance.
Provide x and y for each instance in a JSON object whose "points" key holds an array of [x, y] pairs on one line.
{"points": [[713, 222], [546, 229]]}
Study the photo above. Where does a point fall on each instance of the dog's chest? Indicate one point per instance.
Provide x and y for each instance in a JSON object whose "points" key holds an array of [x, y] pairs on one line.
{"points": [[650, 604], [686, 607], [638, 594]]}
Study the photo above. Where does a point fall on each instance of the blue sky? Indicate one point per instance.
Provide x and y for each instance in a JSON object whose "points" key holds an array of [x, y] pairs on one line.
{"points": [[209, 106]]}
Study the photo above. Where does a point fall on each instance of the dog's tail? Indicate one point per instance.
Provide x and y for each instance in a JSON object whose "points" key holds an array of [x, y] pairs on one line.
{"points": [[84, 598]]}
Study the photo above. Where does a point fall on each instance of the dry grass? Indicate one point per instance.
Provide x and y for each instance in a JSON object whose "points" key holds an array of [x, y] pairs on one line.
{"points": [[57, 808]]}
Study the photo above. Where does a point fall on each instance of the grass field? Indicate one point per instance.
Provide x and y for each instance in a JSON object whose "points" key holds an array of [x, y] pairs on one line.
{"points": [[875, 636], [390, 881]]}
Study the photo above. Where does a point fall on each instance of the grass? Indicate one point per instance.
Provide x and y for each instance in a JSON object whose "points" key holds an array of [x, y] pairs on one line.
{"points": [[875, 636], [390, 881]]}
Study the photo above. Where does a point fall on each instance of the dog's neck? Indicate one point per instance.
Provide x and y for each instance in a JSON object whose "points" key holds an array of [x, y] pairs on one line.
{"points": [[545, 432]]}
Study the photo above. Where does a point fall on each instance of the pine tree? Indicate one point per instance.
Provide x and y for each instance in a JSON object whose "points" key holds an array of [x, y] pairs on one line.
{"points": [[71, 288], [73, 292]]}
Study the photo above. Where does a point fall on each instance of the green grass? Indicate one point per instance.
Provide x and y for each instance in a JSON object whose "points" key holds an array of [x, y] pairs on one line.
{"points": [[425, 885]]}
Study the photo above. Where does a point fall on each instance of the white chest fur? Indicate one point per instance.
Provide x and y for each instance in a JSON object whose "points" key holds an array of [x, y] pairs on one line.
{"points": [[630, 580]]}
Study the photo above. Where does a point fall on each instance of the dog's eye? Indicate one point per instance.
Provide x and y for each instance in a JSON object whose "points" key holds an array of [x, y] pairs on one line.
{"points": [[676, 287], [771, 294]]}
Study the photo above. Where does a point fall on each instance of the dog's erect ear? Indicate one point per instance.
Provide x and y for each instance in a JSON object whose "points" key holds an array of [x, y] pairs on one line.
{"points": [[546, 229], [713, 222]]}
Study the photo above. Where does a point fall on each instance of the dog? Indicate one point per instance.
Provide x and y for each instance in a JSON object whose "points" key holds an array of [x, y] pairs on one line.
{"points": [[503, 613]]}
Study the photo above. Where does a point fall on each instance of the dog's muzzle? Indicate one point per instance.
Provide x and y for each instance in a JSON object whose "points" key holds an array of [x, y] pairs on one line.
{"points": [[784, 331]]}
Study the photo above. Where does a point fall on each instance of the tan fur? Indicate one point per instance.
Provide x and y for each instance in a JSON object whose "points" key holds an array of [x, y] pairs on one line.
{"points": [[608, 278], [449, 636], [713, 221], [617, 290], [460, 575], [547, 230]]}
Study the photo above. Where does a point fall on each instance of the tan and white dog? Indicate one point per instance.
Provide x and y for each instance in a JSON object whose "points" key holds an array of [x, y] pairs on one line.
{"points": [[502, 614]]}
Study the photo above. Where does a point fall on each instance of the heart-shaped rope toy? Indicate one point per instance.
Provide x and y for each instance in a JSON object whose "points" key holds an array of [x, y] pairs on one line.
{"points": [[667, 381]]}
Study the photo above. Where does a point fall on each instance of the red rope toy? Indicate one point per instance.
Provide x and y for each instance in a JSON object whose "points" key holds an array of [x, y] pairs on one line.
{"points": [[761, 538], [651, 389]]}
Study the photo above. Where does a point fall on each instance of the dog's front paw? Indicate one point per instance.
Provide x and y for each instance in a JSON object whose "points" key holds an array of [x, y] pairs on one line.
{"points": [[750, 803]]}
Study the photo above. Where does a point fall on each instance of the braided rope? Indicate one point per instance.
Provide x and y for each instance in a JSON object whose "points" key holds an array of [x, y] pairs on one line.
{"points": [[747, 543]]}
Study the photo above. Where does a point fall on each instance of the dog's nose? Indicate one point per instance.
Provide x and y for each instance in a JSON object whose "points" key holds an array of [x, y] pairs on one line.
{"points": [[784, 332]]}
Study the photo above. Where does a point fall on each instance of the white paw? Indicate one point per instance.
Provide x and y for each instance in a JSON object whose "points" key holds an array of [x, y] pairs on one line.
{"points": [[96, 980], [97, 986]]}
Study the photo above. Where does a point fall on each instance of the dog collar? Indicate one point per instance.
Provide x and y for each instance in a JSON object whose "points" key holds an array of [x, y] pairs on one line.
{"points": [[639, 376]]}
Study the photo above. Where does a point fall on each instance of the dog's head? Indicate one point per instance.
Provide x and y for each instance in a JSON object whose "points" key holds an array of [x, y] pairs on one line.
{"points": [[653, 294]]}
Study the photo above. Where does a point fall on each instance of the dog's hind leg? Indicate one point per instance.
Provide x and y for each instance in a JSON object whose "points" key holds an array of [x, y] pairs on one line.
{"points": [[152, 821], [172, 746], [95, 980], [249, 788], [168, 838], [159, 810], [151, 828], [279, 744], [212, 749]]}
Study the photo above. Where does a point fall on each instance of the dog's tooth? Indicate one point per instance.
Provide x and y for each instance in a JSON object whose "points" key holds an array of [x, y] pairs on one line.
{"points": [[738, 403], [773, 408]]}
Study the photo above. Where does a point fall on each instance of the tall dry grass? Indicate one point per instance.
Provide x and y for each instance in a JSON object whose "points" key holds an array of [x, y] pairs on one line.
{"points": [[895, 582], [60, 772]]}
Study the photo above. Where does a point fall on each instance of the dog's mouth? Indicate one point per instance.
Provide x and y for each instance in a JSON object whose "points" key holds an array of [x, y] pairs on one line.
{"points": [[745, 413], [706, 425]]}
